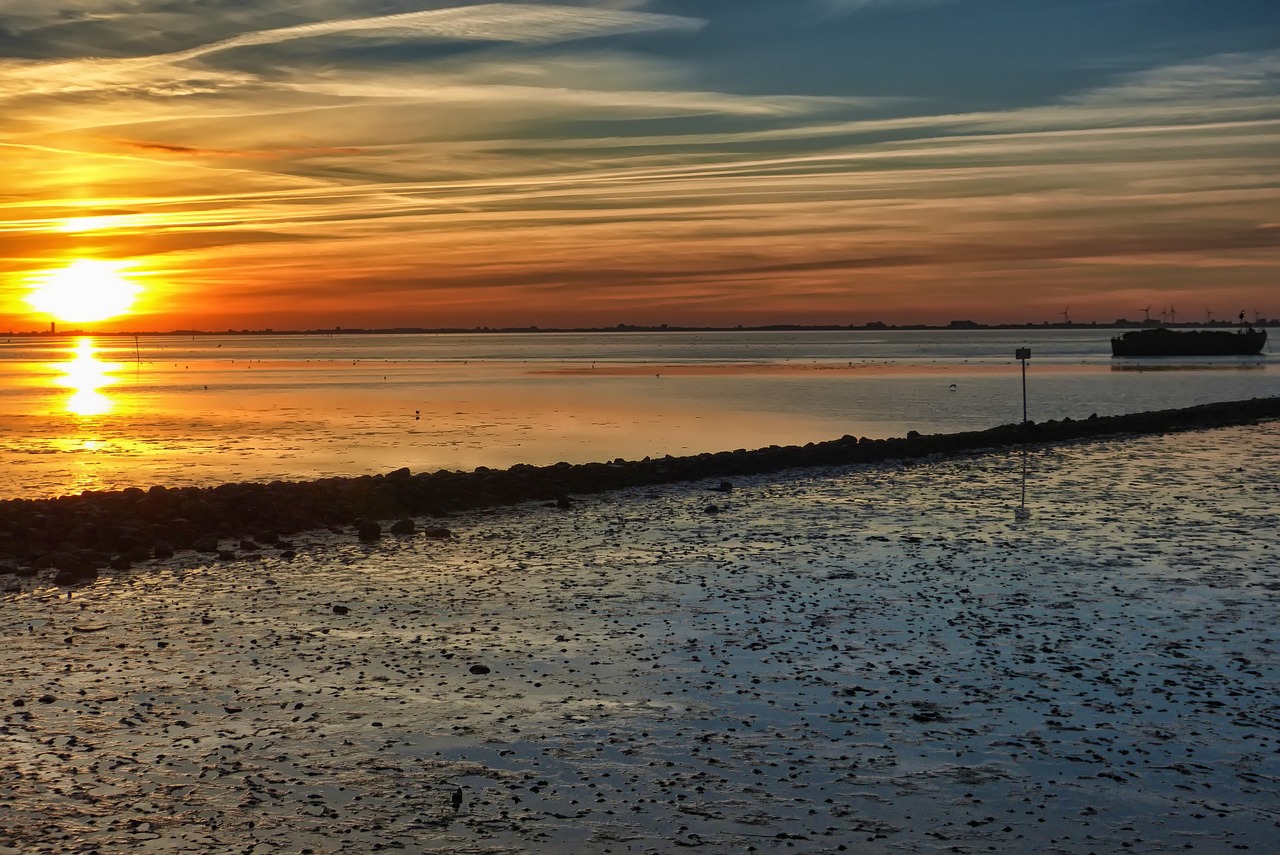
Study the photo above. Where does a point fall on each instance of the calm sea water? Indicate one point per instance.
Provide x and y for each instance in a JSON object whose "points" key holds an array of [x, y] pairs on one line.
{"points": [[99, 413]]}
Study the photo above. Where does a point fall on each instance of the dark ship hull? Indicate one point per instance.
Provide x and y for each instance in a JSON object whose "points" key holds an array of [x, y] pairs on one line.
{"points": [[1162, 341]]}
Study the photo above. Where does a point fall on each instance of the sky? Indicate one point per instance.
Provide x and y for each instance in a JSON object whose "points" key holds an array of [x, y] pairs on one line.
{"points": [[296, 164]]}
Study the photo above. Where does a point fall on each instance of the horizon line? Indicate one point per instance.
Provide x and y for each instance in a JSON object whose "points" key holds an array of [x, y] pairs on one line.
{"points": [[871, 326]]}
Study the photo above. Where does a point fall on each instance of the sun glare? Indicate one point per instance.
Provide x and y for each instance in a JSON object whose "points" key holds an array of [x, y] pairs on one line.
{"points": [[84, 374], [85, 290], [74, 225]]}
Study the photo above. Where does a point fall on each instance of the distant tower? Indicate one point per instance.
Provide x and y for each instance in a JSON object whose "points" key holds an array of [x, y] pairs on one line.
{"points": [[53, 327]]}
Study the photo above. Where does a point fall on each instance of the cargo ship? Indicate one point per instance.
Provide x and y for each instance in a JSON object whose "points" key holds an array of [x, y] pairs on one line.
{"points": [[1162, 341]]}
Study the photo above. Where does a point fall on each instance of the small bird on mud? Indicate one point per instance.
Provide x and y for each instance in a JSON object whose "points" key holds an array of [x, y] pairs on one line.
{"points": [[457, 800]]}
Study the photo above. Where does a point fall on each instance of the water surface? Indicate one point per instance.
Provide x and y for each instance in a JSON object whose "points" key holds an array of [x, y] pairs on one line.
{"points": [[99, 412]]}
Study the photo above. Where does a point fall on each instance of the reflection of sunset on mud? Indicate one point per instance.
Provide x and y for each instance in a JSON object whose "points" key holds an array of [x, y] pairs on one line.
{"points": [[85, 374], [85, 290]]}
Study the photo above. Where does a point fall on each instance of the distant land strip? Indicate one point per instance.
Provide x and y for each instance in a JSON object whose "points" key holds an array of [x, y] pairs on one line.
{"points": [[67, 540], [870, 326]]}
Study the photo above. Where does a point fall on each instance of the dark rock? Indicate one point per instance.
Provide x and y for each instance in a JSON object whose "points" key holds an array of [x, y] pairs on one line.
{"points": [[368, 531], [127, 541], [178, 533], [479, 669], [249, 546], [67, 577], [437, 533], [121, 562], [341, 610], [711, 509], [36, 533], [46, 699], [288, 555], [67, 562], [563, 503], [405, 526], [723, 487], [163, 549], [206, 544]]}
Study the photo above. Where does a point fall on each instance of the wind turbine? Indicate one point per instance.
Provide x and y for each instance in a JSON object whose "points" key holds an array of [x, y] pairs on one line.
{"points": [[1208, 316], [1066, 316], [1173, 315], [1147, 313]]}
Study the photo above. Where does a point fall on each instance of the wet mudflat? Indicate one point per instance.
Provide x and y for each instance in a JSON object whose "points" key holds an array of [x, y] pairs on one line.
{"points": [[881, 658]]}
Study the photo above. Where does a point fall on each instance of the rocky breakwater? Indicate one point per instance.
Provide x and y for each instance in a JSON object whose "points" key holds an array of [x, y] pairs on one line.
{"points": [[69, 539]]}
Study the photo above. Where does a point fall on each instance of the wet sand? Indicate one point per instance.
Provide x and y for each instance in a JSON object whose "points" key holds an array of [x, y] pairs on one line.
{"points": [[884, 658]]}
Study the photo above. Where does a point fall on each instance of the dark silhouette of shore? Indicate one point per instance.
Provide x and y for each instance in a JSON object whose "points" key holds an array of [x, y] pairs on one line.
{"points": [[872, 326], [70, 538]]}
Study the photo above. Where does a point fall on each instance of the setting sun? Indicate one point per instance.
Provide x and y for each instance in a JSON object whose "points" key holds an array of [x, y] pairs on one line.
{"points": [[85, 290]]}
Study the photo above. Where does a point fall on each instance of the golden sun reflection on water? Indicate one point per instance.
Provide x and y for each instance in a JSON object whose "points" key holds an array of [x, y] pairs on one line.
{"points": [[85, 375]]}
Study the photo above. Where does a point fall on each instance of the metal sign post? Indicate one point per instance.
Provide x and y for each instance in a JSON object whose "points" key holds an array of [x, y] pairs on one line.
{"points": [[1021, 513], [1022, 354]]}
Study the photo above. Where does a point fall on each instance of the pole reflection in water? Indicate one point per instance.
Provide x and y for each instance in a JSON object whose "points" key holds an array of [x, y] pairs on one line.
{"points": [[1022, 512], [86, 375]]}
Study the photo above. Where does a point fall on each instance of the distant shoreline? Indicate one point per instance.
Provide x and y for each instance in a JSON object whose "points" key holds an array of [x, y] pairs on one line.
{"points": [[874, 326], [70, 538]]}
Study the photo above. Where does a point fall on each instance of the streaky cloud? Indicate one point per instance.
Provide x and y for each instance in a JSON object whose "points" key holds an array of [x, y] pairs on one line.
{"points": [[499, 22], [298, 149], [495, 22], [1234, 75]]}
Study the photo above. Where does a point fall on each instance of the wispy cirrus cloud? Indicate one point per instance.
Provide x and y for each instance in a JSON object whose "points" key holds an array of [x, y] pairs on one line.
{"points": [[1253, 75], [489, 22]]}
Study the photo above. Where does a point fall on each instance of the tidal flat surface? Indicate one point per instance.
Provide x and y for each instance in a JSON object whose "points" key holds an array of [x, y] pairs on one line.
{"points": [[880, 659]]}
